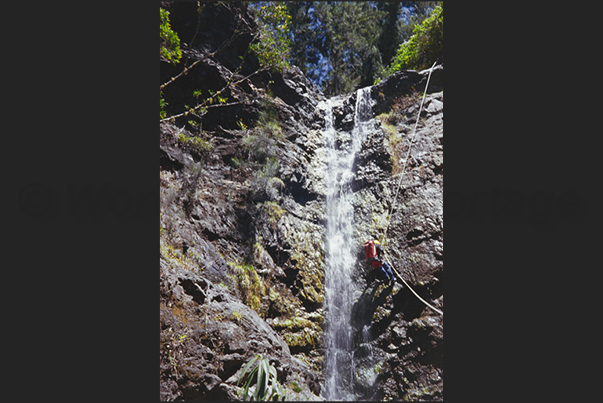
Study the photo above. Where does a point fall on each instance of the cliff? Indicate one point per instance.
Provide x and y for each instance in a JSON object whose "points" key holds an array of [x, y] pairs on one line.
{"points": [[243, 227]]}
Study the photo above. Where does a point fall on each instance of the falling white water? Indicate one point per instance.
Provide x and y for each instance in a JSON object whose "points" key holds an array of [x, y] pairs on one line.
{"points": [[341, 149]]}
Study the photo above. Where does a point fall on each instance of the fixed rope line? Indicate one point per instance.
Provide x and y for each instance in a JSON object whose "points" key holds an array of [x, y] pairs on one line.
{"points": [[398, 189], [414, 292]]}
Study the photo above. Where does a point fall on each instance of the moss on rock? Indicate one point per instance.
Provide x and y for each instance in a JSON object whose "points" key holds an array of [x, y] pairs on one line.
{"points": [[250, 284]]}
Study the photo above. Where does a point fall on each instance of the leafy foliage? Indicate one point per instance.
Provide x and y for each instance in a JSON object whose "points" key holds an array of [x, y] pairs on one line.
{"points": [[169, 42], [340, 46], [424, 46], [273, 47], [267, 386], [411, 14]]}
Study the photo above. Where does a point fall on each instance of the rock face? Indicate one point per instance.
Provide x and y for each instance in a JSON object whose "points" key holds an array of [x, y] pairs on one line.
{"points": [[242, 253], [401, 338]]}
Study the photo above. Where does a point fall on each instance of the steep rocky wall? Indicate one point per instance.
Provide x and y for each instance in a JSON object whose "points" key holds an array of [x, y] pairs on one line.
{"points": [[247, 251], [404, 336], [242, 241], [241, 260], [241, 257], [399, 341]]}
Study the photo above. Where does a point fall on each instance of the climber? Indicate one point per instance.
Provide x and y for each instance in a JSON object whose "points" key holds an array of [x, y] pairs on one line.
{"points": [[373, 253]]}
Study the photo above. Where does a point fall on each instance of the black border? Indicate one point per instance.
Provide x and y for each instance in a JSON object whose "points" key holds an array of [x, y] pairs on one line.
{"points": [[520, 82]]}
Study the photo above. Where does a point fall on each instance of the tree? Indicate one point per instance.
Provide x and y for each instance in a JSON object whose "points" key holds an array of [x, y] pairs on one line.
{"points": [[214, 95], [341, 46], [389, 39], [301, 33], [273, 47], [348, 34]]}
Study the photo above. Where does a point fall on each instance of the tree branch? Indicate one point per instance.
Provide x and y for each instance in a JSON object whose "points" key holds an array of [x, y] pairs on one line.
{"points": [[234, 36], [171, 80], [208, 103]]}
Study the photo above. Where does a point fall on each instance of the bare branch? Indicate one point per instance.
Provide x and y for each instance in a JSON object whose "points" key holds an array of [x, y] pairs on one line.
{"points": [[228, 104], [171, 80], [208, 103]]}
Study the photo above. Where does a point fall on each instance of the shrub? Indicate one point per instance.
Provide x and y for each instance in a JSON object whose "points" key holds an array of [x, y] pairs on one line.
{"points": [[195, 143], [262, 144], [262, 141], [265, 184]]}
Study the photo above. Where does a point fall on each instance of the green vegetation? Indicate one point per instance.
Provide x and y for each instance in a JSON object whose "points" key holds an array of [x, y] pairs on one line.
{"points": [[264, 376], [273, 46], [340, 46], [175, 257], [261, 145], [171, 343], [308, 256], [202, 104], [169, 50], [424, 46], [274, 212], [169, 42], [295, 386], [351, 35], [237, 315], [304, 338], [283, 304], [162, 105], [421, 393], [295, 323], [195, 143], [299, 332]]}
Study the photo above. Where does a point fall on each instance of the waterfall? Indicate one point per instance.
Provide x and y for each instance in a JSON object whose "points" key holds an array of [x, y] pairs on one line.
{"points": [[341, 248]]}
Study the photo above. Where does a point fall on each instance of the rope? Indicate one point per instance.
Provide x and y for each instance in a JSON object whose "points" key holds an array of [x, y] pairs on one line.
{"points": [[398, 189], [414, 292]]}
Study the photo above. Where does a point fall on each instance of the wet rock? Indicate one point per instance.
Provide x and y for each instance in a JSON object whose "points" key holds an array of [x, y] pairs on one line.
{"points": [[404, 331]]}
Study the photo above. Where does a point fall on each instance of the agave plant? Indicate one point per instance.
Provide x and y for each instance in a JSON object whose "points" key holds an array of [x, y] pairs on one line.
{"points": [[267, 386]]}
